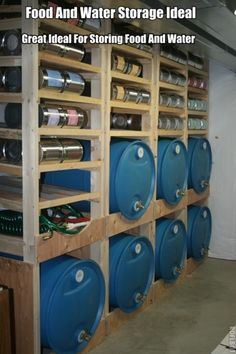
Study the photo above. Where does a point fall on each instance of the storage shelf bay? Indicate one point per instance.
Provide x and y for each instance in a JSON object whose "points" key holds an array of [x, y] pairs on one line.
{"points": [[129, 106], [10, 97], [172, 64], [169, 132], [162, 208], [171, 87], [64, 62], [130, 78], [50, 196], [70, 132], [10, 60], [194, 197], [129, 133], [69, 97], [197, 113], [60, 244], [197, 132], [132, 51], [10, 23], [193, 70]]}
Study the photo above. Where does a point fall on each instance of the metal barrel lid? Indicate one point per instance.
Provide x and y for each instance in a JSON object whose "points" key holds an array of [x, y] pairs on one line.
{"points": [[171, 170], [199, 163], [131, 264], [170, 251], [132, 177], [72, 300], [199, 231]]}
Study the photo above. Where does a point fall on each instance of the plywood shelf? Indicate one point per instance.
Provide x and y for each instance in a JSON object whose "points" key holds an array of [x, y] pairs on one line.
{"points": [[116, 223], [198, 91], [197, 132], [129, 134], [10, 23], [5, 9], [62, 26], [197, 113], [50, 196], [172, 64], [130, 78], [6, 133], [193, 70], [170, 132], [64, 62], [166, 86], [11, 244], [178, 111], [10, 97], [69, 97], [129, 106], [132, 51], [60, 244], [82, 165], [162, 208], [10, 60], [70, 132], [10, 169], [194, 197]]}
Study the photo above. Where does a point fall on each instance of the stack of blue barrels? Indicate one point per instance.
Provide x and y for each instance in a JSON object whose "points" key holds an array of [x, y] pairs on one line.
{"points": [[73, 290]]}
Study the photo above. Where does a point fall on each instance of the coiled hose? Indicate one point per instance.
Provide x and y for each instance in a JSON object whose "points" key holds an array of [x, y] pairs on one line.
{"points": [[53, 219]]}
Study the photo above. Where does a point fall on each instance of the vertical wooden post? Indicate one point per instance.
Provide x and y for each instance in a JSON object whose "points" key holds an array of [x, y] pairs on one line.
{"points": [[30, 173]]}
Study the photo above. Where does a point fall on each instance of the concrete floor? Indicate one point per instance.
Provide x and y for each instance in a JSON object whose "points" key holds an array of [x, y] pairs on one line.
{"points": [[191, 320]]}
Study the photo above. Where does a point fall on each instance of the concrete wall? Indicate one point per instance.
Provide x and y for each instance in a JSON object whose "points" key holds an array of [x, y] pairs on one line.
{"points": [[222, 202]]}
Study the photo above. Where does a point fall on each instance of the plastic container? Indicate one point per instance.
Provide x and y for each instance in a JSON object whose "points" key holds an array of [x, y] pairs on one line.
{"points": [[72, 300], [131, 267]]}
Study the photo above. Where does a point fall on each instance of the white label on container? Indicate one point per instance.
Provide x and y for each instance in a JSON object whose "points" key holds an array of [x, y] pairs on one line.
{"points": [[72, 117], [177, 149], [176, 229], [53, 117], [204, 145], [205, 214], [138, 248], [140, 152], [79, 276]]}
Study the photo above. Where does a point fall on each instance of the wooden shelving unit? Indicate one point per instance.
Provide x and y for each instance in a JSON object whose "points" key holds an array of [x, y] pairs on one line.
{"points": [[20, 189]]}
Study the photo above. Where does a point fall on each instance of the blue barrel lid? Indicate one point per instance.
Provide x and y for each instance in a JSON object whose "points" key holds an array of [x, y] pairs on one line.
{"points": [[171, 250], [200, 163], [171, 170], [131, 263], [72, 301], [132, 178], [199, 231]]}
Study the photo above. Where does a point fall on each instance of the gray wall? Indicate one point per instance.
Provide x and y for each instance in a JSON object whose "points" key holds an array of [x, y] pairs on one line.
{"points": [[222, 202]]}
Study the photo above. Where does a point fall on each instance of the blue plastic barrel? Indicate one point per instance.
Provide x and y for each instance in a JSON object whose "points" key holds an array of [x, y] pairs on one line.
{"points": [[132, 178], [199, 231], [199, 163], [171, 170], [72, 301], [131, 262], [170, 254]]}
